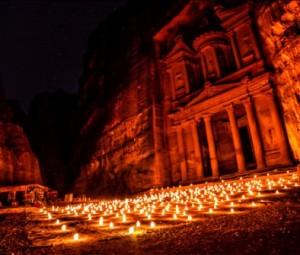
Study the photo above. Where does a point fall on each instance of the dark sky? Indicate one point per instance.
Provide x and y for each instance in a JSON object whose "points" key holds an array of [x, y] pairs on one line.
{"points": [[42, 44]]}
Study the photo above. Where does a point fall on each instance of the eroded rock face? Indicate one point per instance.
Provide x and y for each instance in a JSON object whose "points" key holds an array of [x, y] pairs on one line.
{"points": [[120, 111], [279, 27], [18, 164]]}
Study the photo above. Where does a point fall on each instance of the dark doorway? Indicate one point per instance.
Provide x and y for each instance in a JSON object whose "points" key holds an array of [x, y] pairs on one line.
{"points": [[247, 147], [204, 149]]}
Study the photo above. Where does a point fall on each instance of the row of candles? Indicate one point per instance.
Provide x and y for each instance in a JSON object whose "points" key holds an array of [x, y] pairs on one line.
{"points": [[176, 204]]}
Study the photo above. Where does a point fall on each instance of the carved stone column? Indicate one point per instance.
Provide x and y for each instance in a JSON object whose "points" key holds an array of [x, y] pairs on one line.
{"points": [[186, 78], [282, 143], [182, 157], [239, 154], [211, 146], [257, 144], [203, 65], [172, 81], [198, 152], [235, 49], [219, 71]]}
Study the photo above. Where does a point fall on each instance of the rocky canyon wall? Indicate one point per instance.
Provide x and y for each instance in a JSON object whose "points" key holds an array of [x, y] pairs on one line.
{"points": [[121, 118], [279, 26], [18, 164]]}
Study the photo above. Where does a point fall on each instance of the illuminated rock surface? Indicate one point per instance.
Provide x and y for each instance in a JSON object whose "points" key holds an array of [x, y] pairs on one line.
{"points": [[18, 164]]}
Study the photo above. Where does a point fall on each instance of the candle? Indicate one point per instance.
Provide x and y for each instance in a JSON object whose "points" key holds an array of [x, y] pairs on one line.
{"points": [[101, 221], [152, 224], [131, 230], [76, 236]]}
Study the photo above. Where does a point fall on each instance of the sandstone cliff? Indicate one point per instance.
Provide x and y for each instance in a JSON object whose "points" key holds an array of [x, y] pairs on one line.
{"points": [[279, 27], [18, 164]]}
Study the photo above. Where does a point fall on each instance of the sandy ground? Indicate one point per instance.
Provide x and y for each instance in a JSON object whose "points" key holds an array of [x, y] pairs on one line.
{"points": [[273, 227]]}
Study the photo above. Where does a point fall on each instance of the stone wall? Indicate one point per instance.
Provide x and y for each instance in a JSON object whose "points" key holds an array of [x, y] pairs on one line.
{"points": [[18, 164], [279, 26], [121, 145]]}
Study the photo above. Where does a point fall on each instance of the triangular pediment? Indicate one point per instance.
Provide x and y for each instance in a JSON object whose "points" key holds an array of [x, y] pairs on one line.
{"points": [[211, 91], [180, 47]]}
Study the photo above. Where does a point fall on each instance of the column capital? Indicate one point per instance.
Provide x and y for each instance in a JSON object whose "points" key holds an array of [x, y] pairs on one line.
{"points": [[268, 93], [177, 126], [207, 116], [230, 33], [229, 107], [247, 101], [193, 120]]}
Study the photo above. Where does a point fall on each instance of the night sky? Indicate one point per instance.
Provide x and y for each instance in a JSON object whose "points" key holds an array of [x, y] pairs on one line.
{"points": [[42, 44]]}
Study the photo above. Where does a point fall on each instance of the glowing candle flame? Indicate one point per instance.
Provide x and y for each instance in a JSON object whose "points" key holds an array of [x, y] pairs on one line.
{"points": [[111, 225], [152, 224], [101, 221], [189, 218], [76, 237], [138, 224], [232, 210], [131, 230], [57, 222], [63, 227]]}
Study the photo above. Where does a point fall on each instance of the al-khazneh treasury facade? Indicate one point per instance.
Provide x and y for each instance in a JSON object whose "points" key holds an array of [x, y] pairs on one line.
{"points": [[224, 97], [224, 115]]}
